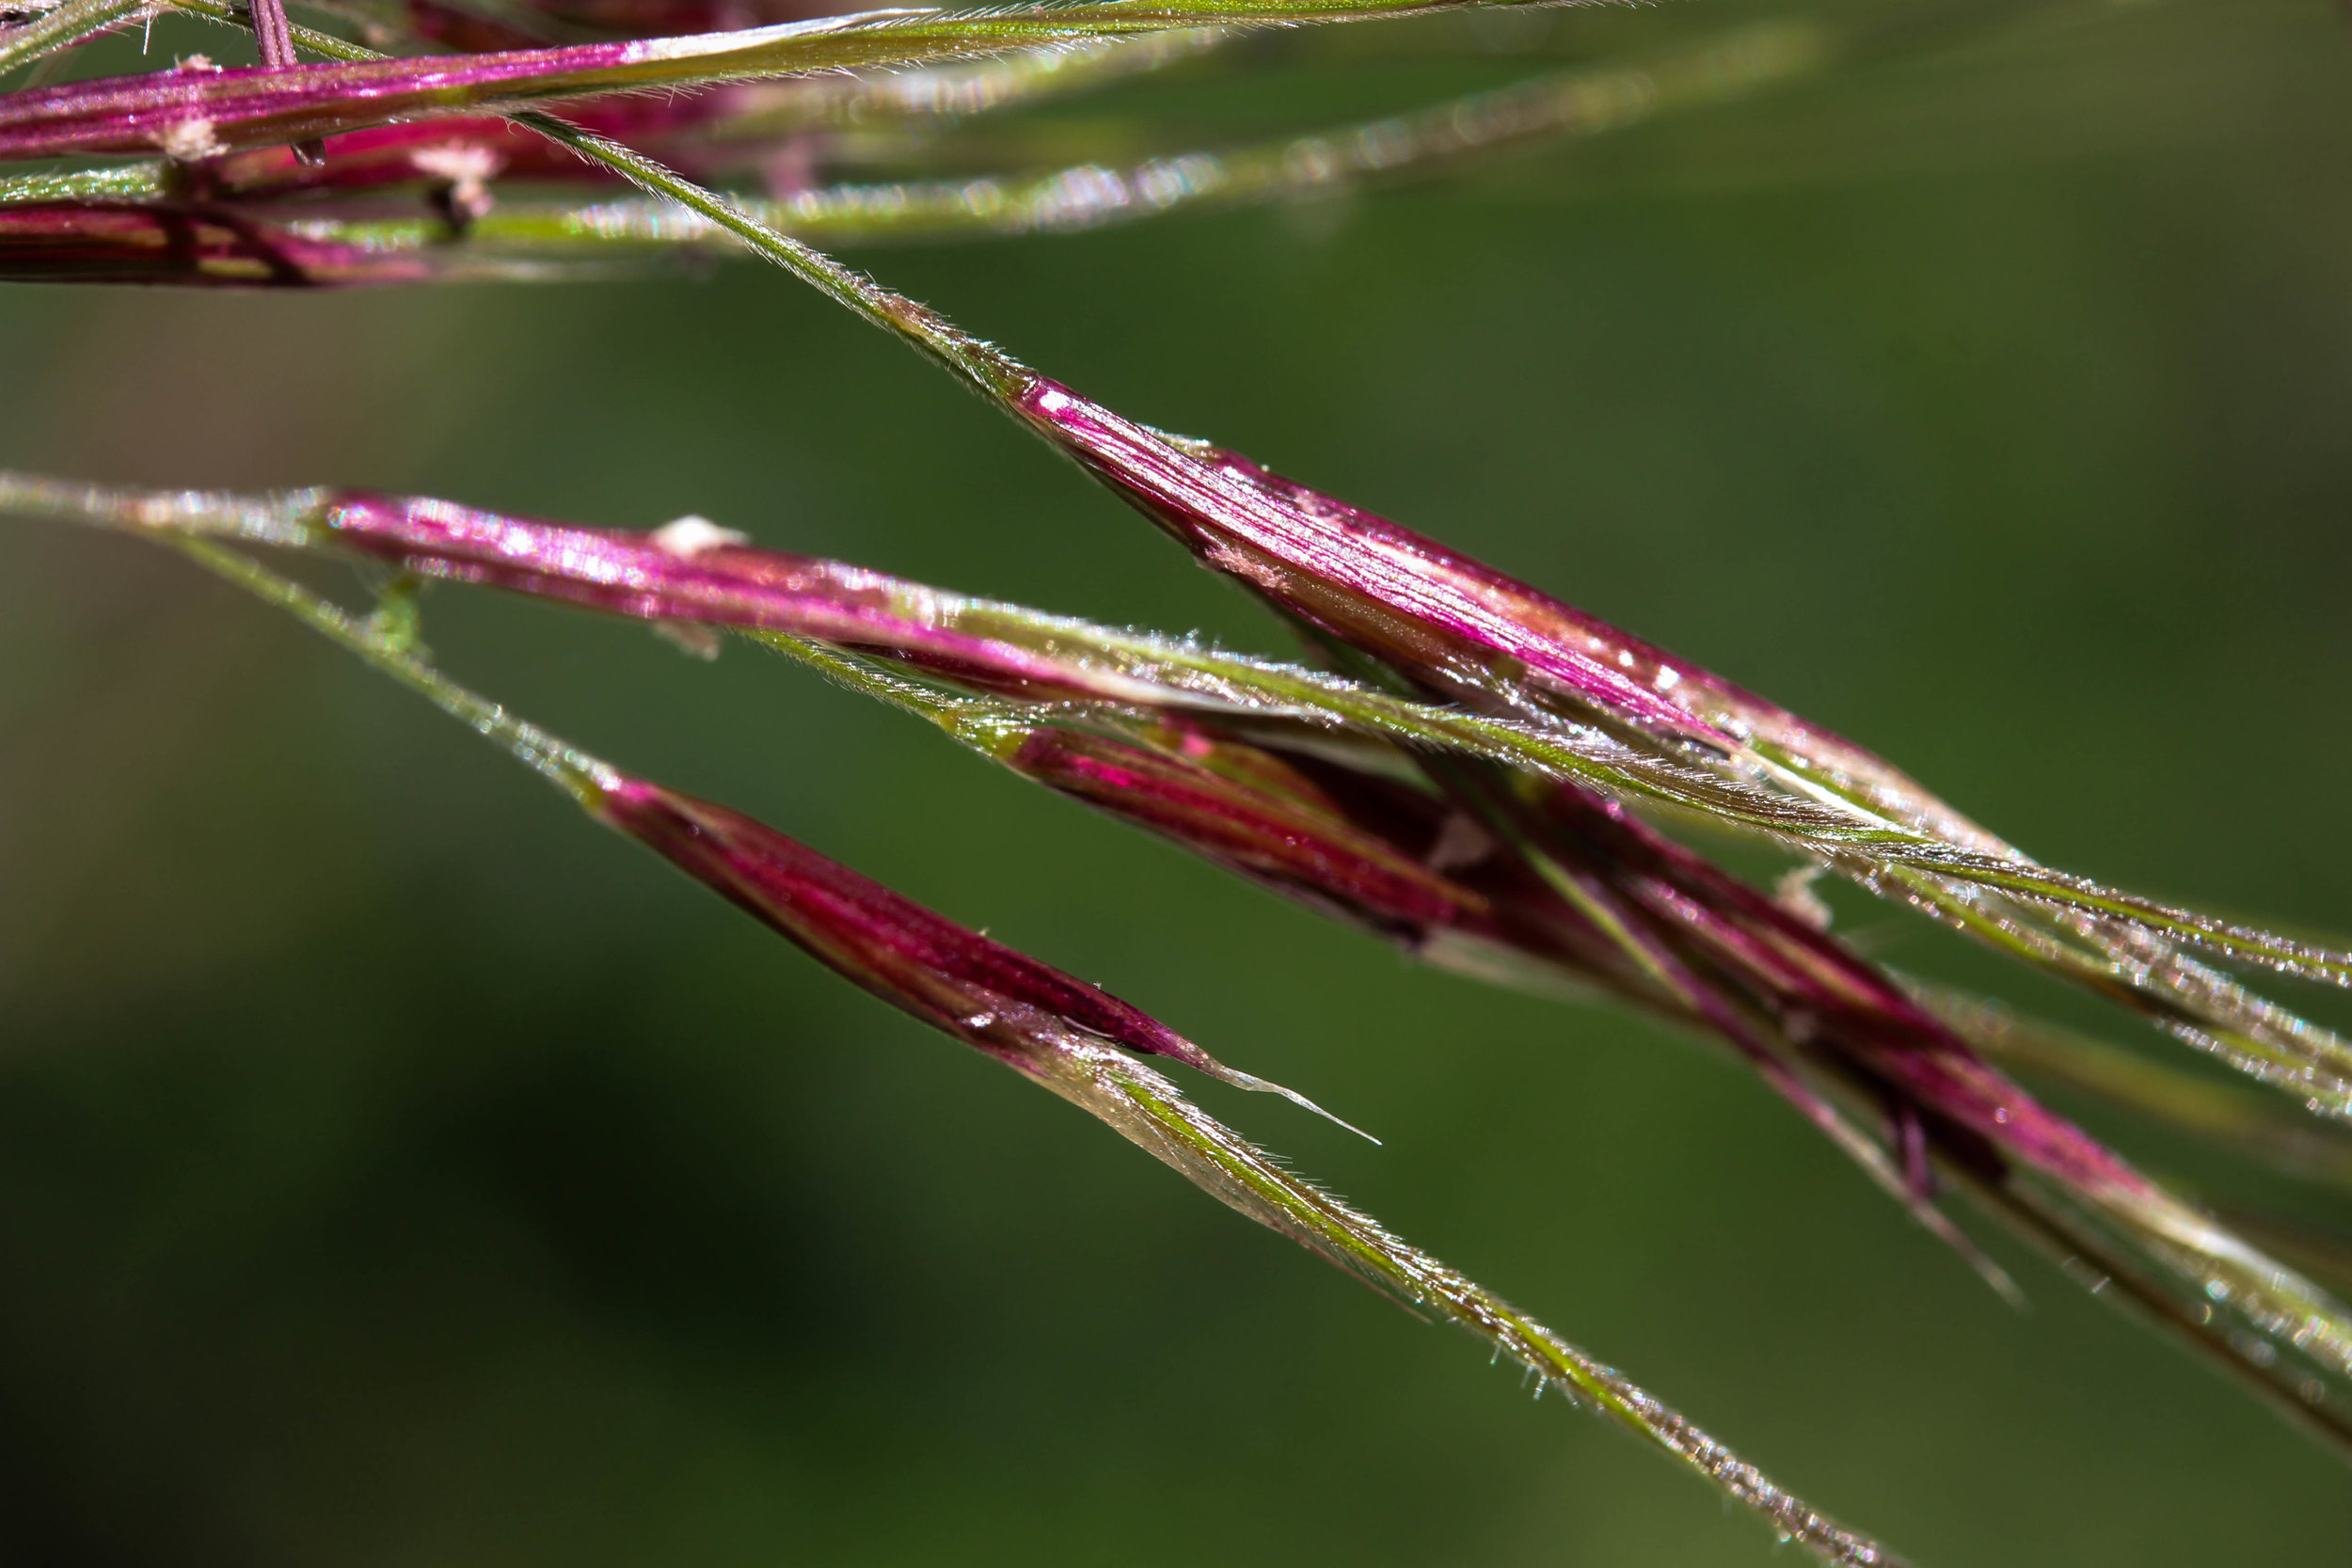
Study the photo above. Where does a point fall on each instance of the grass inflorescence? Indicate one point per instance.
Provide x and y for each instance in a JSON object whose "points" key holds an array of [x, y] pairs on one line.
{"points": [[1459, 764]]}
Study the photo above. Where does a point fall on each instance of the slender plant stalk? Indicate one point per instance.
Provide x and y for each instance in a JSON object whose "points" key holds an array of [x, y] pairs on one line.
{"points": [[241, 109], [272, 34], [1583, 102]]}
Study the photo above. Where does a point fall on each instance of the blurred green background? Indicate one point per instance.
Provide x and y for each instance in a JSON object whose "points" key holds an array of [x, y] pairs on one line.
{"points": [[394, 1169]]}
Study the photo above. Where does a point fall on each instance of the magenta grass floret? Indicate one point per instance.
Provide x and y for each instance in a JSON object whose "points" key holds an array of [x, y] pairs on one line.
{"points": [[1364, 580], [945, 973], [1832, 1002], [635, 574], [1275, 829], [1411, 867], [1451, 621]]}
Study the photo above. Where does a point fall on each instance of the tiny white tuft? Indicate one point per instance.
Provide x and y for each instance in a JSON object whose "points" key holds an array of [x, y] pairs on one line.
{"points": [[689, 536], [688, 638], [456, 161], [189, 140], [1794, 892], [468, 167], [1461, 842]]}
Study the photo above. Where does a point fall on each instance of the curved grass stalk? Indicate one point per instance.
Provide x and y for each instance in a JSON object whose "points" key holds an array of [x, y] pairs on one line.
{"points": [[1583, 102], [254, 108], [775, 881], [1577, 103], [957, 91]]}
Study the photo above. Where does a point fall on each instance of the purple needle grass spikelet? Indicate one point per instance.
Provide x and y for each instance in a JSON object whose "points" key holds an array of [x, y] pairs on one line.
{"points": [[708, 580], [950, 976], [1393, 860], [1294, 839], [1434, 614], [1610, 902], [1449, 623], [1062, 1033], [977, 644], [1056, 1030], [1466, 786], [1363, 580], [1272, 825], [1632, 923], [1705, 933], [1287, 823]]}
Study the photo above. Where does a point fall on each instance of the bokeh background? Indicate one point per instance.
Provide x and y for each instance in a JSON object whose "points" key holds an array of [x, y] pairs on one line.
{"points": [[394, 1169]]}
